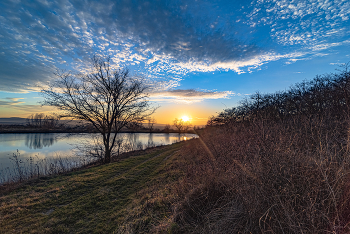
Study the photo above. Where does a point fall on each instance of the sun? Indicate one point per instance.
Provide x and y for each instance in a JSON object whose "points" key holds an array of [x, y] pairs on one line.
{"points": [[185, 118]]}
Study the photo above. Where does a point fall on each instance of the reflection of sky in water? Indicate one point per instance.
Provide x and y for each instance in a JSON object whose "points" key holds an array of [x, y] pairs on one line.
{"points": [[50, 145]]}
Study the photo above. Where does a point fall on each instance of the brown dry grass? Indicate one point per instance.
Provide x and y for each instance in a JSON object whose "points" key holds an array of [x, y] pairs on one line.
{"points": [[267, 177]]}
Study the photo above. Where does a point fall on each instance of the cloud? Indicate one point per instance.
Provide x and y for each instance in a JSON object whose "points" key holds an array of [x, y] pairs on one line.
{"points": [[10, 101], [302, 22], [19, 104], [19, 77], [188, 95], [33, 108], [338, 64], [162, 39]]}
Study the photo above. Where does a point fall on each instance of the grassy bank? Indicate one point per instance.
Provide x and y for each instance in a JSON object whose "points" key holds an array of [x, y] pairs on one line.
{"points": [[132, 195]]}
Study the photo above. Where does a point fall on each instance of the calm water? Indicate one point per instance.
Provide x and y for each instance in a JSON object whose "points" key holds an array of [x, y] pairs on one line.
{"points": [[41, 146]]}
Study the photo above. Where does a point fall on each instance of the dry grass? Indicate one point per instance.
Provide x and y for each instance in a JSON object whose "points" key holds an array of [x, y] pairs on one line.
{"points": [[267, 177]]}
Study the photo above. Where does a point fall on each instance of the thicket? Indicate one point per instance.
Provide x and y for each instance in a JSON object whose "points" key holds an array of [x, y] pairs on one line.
{"points": [[278, 163], [323, 94]]}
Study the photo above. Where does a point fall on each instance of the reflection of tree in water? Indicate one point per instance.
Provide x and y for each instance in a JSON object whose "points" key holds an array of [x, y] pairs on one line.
{"points": [[150, 140], [167, 138], [180, 137], [133, 138], [134, 142], [39, 140]]}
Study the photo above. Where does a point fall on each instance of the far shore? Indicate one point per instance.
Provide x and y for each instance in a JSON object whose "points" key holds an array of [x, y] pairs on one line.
{"points": [[27, 129]]}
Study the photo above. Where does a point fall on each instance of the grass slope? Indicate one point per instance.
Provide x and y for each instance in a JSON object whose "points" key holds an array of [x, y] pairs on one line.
{"points": [[132, 195]]}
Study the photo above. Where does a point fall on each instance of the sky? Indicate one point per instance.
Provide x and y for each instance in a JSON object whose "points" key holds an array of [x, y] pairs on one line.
{"points": [[204, 55]]}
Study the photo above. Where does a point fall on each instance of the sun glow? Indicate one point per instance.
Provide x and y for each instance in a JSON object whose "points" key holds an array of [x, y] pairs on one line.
{"points": [[185, 118]]}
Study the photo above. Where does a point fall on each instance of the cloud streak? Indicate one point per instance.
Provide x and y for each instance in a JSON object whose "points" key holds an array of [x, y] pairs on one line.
{"points": [[10, 101], [188, 95]]}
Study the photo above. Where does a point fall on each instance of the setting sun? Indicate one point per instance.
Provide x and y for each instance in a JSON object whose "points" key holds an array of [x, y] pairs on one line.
{"points": [[185, 118]]}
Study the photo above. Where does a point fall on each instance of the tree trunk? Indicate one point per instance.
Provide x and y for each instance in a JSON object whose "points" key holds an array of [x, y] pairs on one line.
{"points": [[108, 156]]}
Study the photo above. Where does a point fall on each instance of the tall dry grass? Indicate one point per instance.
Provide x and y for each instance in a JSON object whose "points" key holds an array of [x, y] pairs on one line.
{"points": [[24, 169], [264, 176]]}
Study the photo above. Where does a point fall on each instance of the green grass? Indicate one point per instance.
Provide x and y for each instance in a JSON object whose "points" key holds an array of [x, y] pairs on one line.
{"points": [[132, 195]]}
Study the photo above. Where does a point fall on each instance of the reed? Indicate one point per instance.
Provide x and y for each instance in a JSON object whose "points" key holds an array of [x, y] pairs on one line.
{"points": [[24, 169]]}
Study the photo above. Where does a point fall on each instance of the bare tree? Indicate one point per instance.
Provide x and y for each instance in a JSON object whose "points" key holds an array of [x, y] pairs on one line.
{"points": [[39, 120], [151, 123], [182, 125], [134, 126], [35, 120], [167, 128], [186, 126], [179, 124], [51, 122], [108, 99]]}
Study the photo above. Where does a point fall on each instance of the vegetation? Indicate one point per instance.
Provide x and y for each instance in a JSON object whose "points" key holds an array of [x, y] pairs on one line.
{"points": [[151, 122], [39, 120], [105, 98], [34, 168], [278, 163], [182, 126], [316, 98], [167, 128], [133, 195]]}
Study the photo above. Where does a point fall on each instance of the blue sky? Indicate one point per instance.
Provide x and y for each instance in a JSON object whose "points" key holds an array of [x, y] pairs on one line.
{"points": [[204, 56]]}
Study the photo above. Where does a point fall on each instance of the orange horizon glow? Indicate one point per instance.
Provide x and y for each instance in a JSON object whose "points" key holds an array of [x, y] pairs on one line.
{"points": [[165, 114], [196, 114]]}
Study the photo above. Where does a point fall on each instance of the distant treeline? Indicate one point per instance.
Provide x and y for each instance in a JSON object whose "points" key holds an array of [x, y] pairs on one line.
{"points": [[329, 93], [40, 120]]}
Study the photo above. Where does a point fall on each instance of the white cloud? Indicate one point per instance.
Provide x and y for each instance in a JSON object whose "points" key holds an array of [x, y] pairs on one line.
{"points": [[188, 95], [318, 18]]}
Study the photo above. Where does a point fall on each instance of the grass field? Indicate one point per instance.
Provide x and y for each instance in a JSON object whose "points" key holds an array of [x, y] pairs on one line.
{"points": [[132, 195]]}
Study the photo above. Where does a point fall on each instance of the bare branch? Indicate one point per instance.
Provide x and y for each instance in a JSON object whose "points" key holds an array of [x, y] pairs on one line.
{"points": [[108, 99]]}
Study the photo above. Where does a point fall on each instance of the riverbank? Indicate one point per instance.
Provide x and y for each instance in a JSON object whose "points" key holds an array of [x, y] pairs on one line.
{"points": [[133, 194]]}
